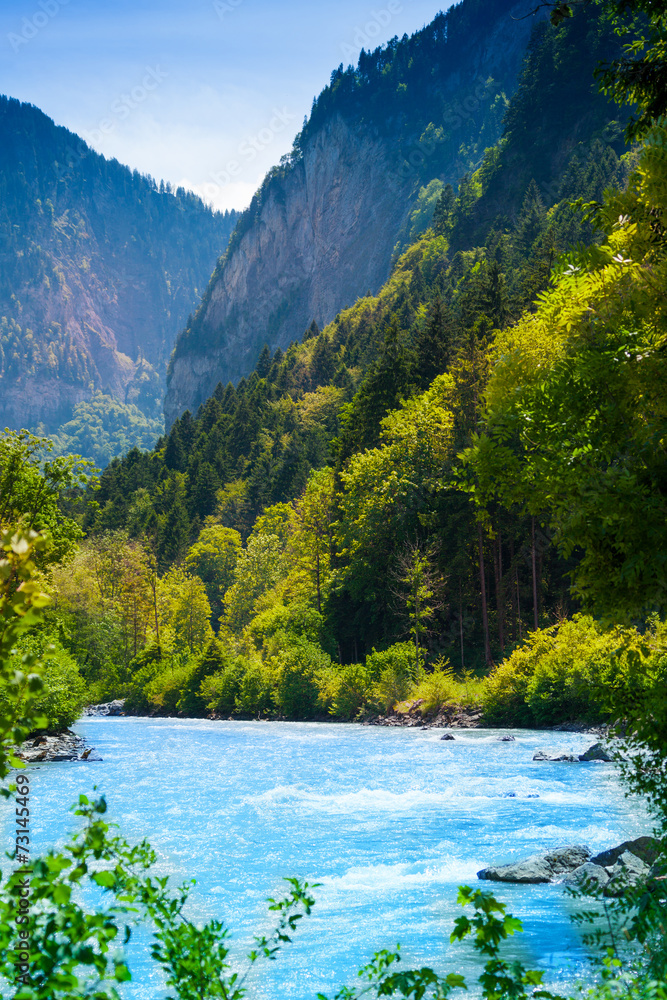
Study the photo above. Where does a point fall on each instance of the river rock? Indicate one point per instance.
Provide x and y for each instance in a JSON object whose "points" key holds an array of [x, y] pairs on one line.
{"points": [[647, 849], [596, 752], [447, 736], [65, 746], [506, 739], [555, 755], [107, 708], [628, 872], [587, 873], [539, 867]]}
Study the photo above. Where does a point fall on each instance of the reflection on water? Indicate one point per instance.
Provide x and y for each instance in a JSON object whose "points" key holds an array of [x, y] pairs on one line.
{"points": [[390, 821]]}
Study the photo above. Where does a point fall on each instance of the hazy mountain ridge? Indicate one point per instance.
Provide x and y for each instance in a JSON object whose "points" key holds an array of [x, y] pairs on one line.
{"points": [[322, 229], [99, 268]]}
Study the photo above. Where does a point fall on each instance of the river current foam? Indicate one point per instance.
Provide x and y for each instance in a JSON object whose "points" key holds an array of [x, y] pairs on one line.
{"points": [[389, 821]]}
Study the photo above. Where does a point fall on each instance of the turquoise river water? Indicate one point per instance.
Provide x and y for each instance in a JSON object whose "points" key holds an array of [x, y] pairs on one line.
{"points": [[389, 821]]}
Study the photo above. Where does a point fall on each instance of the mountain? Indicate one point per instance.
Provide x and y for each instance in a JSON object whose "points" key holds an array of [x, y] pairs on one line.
{"points": [[99, 269], [364, 402], [323, 228]]}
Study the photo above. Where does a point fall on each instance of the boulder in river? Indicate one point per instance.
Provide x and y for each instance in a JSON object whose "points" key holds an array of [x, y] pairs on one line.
{"points": [[447, 736], [506, 739], [107, 708], [647, 849], [539, 867], [628, 872], [596, 752], [555, 755], [588, 873]]}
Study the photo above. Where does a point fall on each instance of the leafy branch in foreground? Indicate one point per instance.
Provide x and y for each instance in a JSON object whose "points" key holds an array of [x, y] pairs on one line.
{"points": [[21, 604], [500, 980], [78, 953]]}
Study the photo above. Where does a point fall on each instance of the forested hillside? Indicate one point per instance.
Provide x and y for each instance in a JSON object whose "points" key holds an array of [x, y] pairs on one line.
{"points": [[99, 268], [331, 474], [359, 184]]}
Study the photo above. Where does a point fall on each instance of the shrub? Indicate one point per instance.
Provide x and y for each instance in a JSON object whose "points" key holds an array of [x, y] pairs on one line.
{"points": [[165, 689], [297, 662], [553, 677], [441, 689], [343, 691], [214, 659], [394, 674], [221, 690], [255, 697], [298, 618], [63, 694]]}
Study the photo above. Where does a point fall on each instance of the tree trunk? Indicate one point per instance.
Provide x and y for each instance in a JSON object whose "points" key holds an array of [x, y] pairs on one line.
{"points": [[157, 624], [533, 557], [461, 625], [485, 614], [498, 574], [514, 597]]}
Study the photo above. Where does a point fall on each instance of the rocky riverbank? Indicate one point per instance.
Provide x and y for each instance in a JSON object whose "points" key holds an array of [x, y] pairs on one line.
{"points": [[65, 746], [116, 707]]}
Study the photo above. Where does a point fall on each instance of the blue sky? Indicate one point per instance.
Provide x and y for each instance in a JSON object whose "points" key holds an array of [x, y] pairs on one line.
{"points": [[205, 93]]}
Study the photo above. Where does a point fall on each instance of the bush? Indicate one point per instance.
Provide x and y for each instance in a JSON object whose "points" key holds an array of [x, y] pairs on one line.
{"points": [[165, 689], [297, 662], [298, 618], [442, 689], [255, 697], [343, 691], [63, 694], [221, 691], [394, 674], [553, 678], [216, 658]]}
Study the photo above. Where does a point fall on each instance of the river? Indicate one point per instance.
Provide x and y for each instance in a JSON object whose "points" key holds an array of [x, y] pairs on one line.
{"points": [[390, 821]]}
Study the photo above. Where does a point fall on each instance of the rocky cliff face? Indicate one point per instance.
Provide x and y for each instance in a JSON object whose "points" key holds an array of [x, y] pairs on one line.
{"points": [[322, 230], [99, 268]]}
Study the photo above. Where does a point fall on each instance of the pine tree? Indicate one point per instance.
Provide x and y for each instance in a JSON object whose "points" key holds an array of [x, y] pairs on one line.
{"points": [[433, 344], [442, 217]]}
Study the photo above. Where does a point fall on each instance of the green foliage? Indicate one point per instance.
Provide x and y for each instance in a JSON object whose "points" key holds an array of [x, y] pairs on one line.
{"points": [[345, 691], [394, 672], [213, 559], [21, 604], [554, 677], [297, 618], [36, 491], [296, 662], [442, 689], [255, 696], [102, 428], [222, 690], [64, 691], [582, 378]]}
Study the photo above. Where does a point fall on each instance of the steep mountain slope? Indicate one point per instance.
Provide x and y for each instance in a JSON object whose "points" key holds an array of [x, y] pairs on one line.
{"points": [[322, 229], [326, 401], [99, 269]]}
